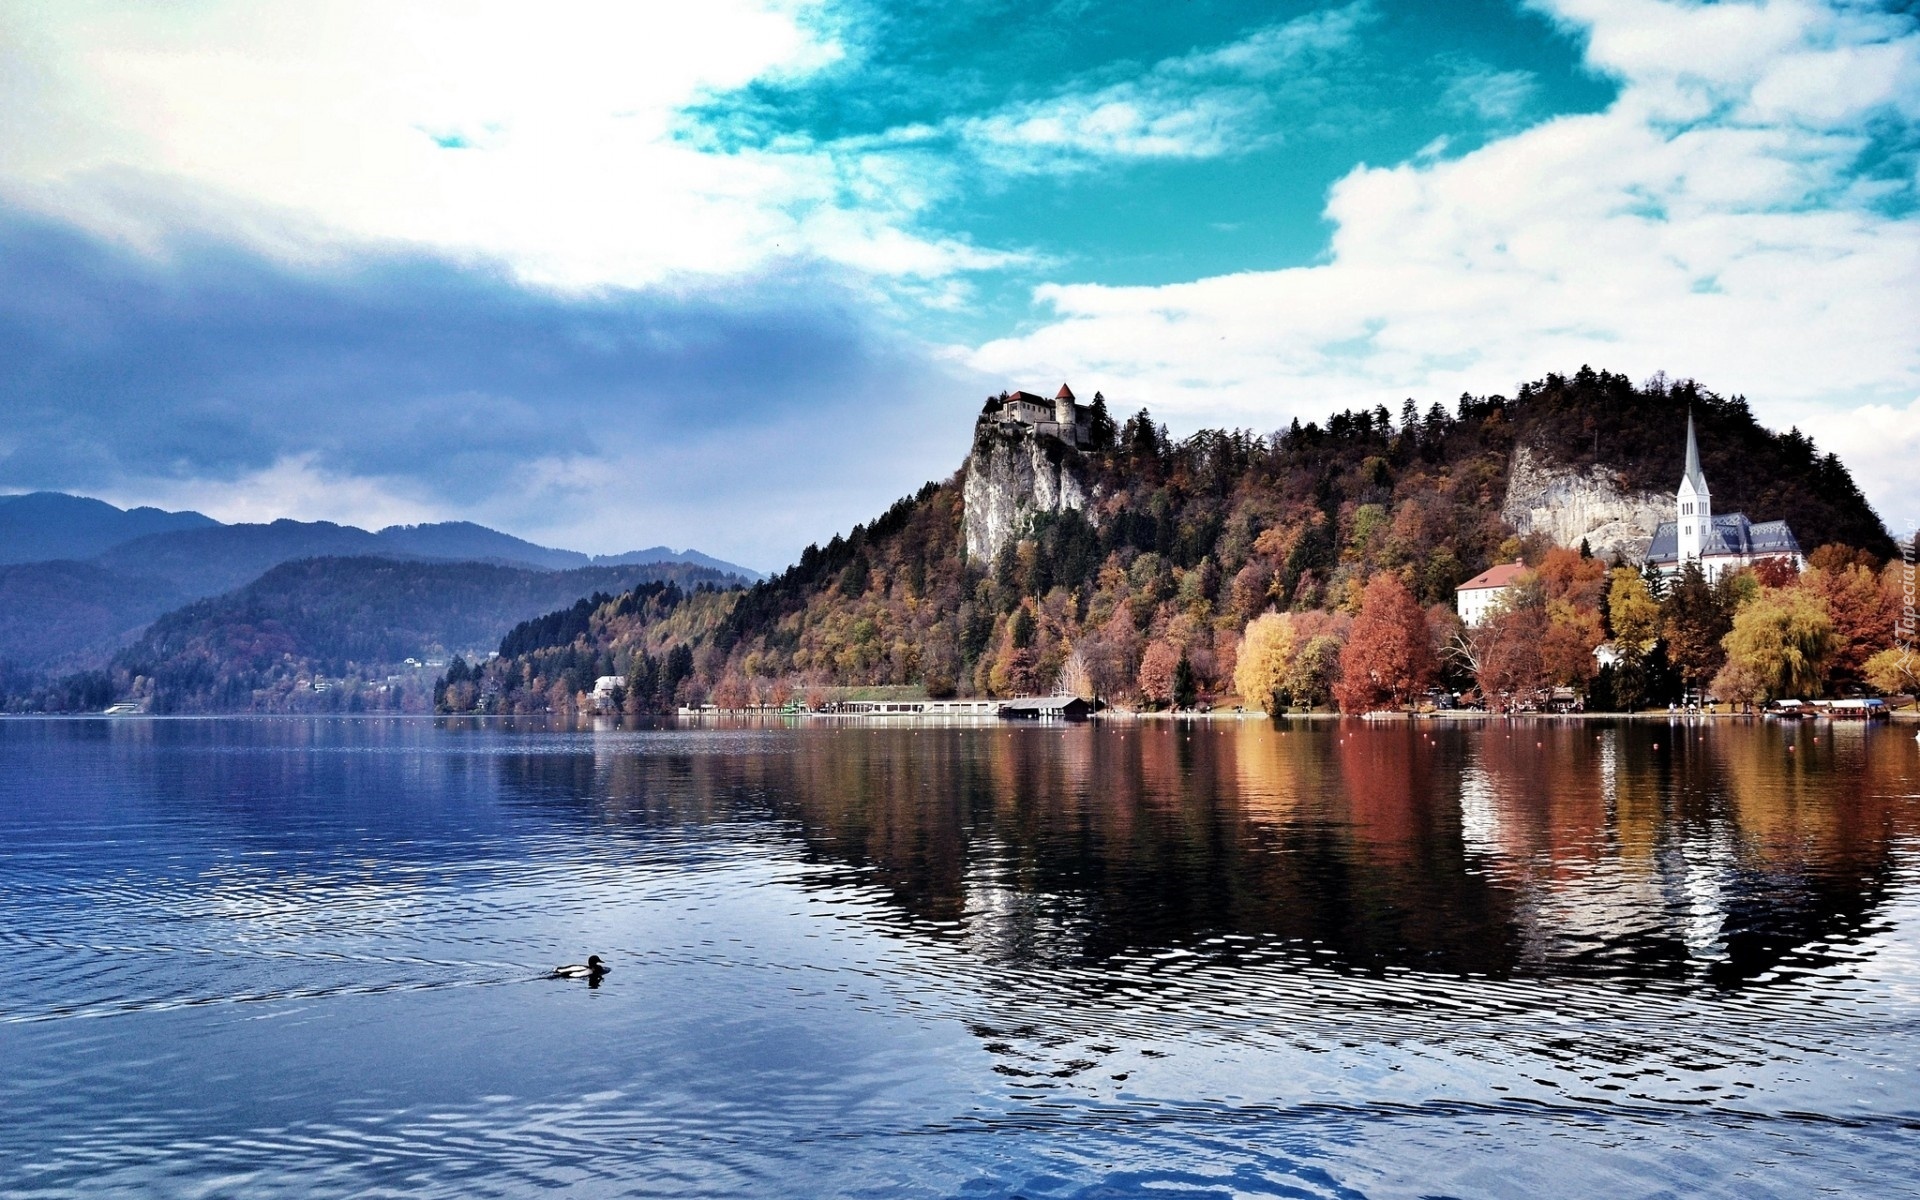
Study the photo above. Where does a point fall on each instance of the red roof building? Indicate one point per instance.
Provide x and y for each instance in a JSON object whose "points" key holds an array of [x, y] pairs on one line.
{"points": [[1477, 596]]}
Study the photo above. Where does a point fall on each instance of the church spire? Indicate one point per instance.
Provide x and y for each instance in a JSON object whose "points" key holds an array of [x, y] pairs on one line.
{"points": [[1693, 474]]}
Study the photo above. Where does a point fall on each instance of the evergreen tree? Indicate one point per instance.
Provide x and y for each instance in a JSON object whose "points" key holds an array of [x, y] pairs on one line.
{"points": [[1184, 691], [1101, 429], [1695, 616]]}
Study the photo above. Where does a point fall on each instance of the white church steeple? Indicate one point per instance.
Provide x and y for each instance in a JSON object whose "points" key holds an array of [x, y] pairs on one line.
{"points": [[1693, 506]]}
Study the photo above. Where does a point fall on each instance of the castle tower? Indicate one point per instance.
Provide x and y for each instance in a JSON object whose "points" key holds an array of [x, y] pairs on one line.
{"points": [[1063, 409], [1693, 506]]}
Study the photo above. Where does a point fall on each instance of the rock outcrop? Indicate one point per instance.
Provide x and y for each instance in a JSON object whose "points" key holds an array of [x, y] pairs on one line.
{"points": [[1569, 505], [1014, 473]]}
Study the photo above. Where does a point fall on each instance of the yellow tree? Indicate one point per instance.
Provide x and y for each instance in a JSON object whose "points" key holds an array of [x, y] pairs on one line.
{"points": [[1266, 654], [1782, 642], [1635, 616], [1895, 670]]}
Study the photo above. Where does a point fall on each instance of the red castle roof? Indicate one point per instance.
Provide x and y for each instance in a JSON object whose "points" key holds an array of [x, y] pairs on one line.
{"points": [[1065, 393]]}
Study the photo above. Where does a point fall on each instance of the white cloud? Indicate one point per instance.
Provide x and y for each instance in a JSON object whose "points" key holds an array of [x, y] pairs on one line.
{"points": [[545, 141], [1494, 96], [1280, 48], [1203, 104], [1709, 223], [294, 486]]}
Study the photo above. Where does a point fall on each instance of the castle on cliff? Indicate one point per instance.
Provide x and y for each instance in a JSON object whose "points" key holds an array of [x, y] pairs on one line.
{"points": [[1063, 417], [1718, 542], [1026, 461]]}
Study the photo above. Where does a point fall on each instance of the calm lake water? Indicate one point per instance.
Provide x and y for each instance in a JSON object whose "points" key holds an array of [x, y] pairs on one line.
{"points": [[303, 957]]}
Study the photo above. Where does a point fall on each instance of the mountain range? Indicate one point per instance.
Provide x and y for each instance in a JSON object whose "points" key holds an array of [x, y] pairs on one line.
{"points": [[80, 578]]}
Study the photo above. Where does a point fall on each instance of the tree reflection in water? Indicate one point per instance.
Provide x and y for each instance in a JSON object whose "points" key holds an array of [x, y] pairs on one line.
{"points": [[1691, 853]]}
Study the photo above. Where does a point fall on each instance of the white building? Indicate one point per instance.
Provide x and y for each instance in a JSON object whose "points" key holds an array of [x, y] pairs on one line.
{"points": [[1718, 543], [1476, 597]]}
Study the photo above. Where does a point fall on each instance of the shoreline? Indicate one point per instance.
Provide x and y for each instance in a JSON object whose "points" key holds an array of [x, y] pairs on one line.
{"points": [[1901, 717]]}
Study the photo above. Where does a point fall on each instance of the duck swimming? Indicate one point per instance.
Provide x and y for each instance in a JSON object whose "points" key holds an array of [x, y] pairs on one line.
{"points": [[592, 970]]}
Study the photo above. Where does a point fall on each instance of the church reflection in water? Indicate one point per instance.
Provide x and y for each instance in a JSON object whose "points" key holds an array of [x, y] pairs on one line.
{"points": [[1719, 855]]}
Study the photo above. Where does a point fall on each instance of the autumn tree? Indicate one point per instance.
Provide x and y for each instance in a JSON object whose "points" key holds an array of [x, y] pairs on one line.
{"points": [[1862, 616], [1266, 654], [1635, 617], [1783, 641], [1075, 679], [1895, 670], [1776, 572], [1314, 670], [1509, 650], [1388, 658], [1157, 666]]}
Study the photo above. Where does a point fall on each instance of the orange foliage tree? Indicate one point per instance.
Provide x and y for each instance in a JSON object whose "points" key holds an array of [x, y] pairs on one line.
{"points": [[1388, 658], [1157, 666], [1511, 663], [1863, 617]]}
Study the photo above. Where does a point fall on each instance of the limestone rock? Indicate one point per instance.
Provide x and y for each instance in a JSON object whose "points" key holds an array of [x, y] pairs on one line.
{"points": [[1568, 505], [1014, 473]]}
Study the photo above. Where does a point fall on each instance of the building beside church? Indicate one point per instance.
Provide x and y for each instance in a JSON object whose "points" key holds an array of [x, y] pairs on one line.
{"points": [[1718, 542], [1063, 416]]}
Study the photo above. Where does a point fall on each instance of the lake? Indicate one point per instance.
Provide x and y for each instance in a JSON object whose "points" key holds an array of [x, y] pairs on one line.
{"points": [[261, 957]]}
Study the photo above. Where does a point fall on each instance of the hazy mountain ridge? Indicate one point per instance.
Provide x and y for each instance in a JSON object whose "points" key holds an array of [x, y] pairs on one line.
{"points": [[44, 526], [98, 574], [55, 526]]}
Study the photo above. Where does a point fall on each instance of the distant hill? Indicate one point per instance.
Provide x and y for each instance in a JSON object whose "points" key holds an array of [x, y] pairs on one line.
{"points": [[468, 542], [668, 554], [325, 634], [219, 558], [49, 526], [41, 526], [63, 616]]}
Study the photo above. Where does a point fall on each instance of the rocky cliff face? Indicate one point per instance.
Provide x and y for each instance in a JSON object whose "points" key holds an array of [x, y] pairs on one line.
{"points": [[1012, 474], [1568, 505]]}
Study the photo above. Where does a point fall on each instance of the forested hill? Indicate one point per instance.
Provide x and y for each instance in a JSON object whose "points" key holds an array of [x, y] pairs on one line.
{"points": [[327, 634], [1597, 417], [1184, 542]]}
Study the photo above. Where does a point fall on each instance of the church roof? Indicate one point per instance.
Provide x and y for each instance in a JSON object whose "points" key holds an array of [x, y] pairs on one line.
{"points": [[1495, 577], [1730, 534], [1065, 393], [1693, 474]]}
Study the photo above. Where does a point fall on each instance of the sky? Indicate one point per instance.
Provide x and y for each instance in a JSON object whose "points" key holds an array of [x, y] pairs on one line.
{"points": [[736, 275]]}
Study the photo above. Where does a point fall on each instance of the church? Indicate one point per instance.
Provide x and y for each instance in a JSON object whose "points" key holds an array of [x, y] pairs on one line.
{"points": [[1719, 543]]}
